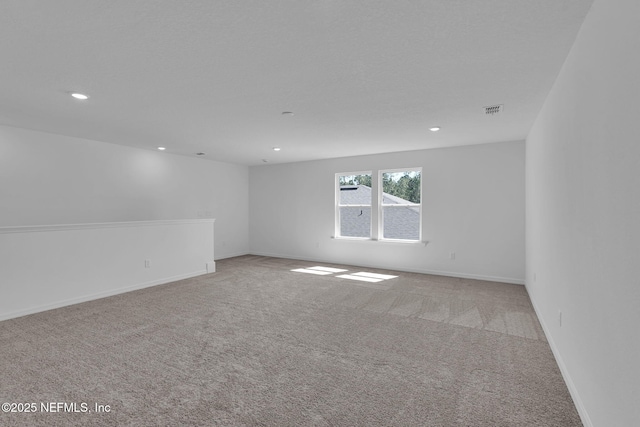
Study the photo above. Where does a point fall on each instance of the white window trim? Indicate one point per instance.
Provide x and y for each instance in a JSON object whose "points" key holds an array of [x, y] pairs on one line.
{"points": [[382, 205], [338, 206], [377, 205]]}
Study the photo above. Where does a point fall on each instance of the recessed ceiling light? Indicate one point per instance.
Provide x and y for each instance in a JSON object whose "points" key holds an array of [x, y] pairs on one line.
{"points": [[277, 148], [80, 96], [161, 148], [434, 129]]}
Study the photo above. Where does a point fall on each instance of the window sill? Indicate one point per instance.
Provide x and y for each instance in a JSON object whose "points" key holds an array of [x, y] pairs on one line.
{"points": [[383, 241]]}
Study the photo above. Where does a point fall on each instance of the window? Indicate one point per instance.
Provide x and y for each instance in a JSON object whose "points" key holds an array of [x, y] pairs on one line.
{"points": [[400, 204], [389, 209], [353, 205]]}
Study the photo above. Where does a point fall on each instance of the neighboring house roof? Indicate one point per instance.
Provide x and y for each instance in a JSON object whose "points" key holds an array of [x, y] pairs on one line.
{"points": [[355, 195], [399, 223]]}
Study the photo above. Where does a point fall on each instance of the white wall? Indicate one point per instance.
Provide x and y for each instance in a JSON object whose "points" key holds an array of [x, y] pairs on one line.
{"points": [[45, 267], [473, 204], [53, 179], [583, 216]]}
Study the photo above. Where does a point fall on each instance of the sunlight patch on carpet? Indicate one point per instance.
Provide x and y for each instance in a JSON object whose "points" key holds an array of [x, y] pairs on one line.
{"points": [[329, 269], [309, 271], [360, 278], [375, 275]]}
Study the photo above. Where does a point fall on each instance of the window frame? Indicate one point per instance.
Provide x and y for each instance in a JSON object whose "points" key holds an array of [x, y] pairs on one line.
{"points": [[376, 232], [338, 205], [382, 205]]}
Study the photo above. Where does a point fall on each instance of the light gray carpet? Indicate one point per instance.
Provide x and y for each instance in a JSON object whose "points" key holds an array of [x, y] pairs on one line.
{"points": [[258, 345]]}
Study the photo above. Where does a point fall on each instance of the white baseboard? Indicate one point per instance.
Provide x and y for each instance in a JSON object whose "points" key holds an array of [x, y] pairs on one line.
{"points": [[232, 255], [509, 280], [582, 411], [211, 267], [98, 295]]}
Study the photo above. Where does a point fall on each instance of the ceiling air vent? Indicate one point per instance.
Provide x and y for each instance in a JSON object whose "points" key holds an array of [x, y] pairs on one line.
{"points": [[493, 109]]}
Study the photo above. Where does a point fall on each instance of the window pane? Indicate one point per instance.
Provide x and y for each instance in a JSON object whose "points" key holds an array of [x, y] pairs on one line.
{"points": [[355, 189], [355, 195], [404, 185], [401, 222], [355, 222]]}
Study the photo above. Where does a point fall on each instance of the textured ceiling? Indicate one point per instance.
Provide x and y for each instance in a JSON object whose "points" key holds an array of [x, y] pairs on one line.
{"points": [[362, 77]]}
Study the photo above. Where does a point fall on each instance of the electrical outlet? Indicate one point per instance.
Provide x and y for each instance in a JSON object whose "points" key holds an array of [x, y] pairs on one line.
{"points": [[147, 263], [452, 255]]}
